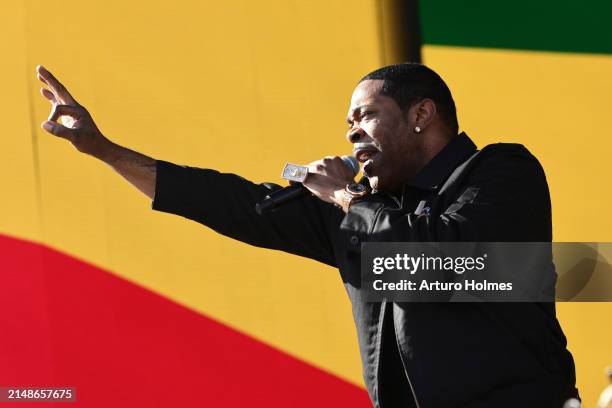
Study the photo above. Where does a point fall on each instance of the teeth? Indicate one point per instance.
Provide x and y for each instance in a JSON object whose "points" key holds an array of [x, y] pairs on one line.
{"points": [[366, 156]]}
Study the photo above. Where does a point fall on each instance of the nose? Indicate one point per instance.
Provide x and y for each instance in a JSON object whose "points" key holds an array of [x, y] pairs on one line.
{"points": [[354, 135]]}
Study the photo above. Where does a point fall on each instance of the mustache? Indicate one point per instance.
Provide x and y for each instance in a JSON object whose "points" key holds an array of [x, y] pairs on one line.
{"points": [[365, 146]]}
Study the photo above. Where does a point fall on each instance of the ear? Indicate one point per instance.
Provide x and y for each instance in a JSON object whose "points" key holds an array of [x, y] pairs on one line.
{"points": [[422, 113]]}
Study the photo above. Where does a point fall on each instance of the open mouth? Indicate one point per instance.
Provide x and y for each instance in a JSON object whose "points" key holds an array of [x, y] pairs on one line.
{"points": [[364, 152]]}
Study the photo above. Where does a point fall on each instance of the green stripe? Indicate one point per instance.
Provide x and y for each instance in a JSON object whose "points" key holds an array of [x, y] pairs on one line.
{"points": [[546, 25]]}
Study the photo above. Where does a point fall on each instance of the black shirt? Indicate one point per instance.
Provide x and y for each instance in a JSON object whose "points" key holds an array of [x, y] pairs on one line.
{"points": [[415, 354]]}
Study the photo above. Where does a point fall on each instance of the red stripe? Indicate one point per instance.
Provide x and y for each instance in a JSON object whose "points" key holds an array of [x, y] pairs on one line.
{"points": [[67, 323]]}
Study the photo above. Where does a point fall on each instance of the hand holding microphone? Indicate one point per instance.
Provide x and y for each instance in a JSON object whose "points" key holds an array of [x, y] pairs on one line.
{"points": [[326, 179]]}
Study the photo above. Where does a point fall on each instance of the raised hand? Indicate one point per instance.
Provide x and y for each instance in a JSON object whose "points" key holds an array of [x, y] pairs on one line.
{"points": [[75, 122]]}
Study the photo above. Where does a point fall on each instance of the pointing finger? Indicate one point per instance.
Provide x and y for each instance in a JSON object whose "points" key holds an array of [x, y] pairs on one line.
{"points": [[54, 85]]}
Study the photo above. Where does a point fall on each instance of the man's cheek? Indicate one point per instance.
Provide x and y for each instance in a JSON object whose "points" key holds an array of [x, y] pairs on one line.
{"points": [[370, 129]]}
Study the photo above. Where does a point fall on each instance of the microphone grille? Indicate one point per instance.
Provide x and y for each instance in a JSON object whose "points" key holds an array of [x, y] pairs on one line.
{"points": [[351, 163]]}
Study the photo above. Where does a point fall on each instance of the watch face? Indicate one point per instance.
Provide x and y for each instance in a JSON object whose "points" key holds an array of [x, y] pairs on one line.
{"points": [[356, 188]]}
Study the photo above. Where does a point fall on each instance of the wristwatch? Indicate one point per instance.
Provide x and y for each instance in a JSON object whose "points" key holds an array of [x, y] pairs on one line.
{"points": [[353, 191]]}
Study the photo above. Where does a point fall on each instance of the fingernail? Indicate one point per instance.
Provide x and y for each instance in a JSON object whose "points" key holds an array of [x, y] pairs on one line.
{"points": [[46, 125]]}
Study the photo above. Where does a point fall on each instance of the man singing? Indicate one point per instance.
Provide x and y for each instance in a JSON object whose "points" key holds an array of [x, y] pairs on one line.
{"points": [[423, 181]]}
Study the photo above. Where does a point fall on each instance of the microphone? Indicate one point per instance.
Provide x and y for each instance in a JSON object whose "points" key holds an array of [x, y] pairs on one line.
{"points": [[294, 191]]}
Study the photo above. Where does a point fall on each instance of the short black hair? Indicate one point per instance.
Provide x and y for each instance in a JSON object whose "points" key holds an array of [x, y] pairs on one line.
{"points": [[410, 82]]}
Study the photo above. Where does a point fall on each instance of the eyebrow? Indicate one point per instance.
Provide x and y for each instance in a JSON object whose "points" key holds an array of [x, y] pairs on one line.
{"points": [[349, 119]]}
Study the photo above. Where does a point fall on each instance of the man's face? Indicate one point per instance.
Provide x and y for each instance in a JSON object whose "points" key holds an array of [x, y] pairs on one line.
{"points": [[381, 137]]}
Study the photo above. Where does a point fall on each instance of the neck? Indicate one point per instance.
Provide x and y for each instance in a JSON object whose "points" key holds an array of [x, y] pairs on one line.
{"points": [[434, 142]]}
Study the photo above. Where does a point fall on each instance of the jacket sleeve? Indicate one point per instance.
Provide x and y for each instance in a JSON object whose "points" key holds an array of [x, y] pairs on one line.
{"points": [[226, 204], [504, 197]]}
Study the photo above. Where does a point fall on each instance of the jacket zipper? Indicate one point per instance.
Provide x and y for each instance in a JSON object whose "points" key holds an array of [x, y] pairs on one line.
{"points": [[381, 327], [401, 353], [380, 343]]}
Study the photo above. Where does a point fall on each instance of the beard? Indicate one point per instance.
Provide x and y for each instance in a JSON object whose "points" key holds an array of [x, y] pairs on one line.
{"points": [[373, 170], [389, 177]]}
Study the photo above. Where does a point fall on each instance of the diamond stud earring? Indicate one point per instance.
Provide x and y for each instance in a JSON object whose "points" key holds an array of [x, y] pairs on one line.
{"points": [[417, 129]]}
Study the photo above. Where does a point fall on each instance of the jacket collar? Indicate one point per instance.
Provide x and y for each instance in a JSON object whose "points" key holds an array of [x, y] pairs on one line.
{"points": [[436, 171]]}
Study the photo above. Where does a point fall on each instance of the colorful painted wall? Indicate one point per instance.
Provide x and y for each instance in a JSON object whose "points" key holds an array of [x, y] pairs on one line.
{"points": [[140, 308]]}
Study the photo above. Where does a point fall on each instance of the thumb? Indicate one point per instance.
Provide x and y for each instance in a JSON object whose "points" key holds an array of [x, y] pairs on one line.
{"points": [[58, 130]]}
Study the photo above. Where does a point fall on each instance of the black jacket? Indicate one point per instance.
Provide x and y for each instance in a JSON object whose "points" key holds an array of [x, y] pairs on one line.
{"points": [[415, 354]]}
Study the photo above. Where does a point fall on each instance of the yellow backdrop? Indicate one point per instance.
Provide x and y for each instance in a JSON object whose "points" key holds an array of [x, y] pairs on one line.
{"points": [[244, 86]]}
